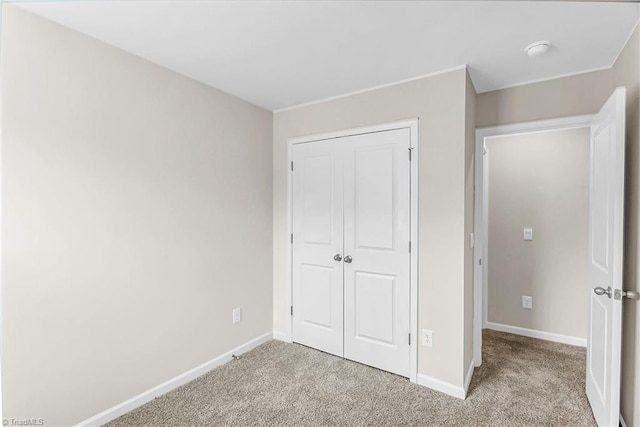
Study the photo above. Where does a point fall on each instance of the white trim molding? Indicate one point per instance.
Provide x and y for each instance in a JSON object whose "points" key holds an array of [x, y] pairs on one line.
{"points": [[448, 388], [554, 77], [281, 336], [532, 333], [175, 382], [442, 386], [369, 89], [480, 255], [535, 126], [412, 125]]}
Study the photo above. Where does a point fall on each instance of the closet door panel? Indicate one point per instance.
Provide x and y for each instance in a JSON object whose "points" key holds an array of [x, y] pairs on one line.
{"points": [[317, 244], [376, 241]]}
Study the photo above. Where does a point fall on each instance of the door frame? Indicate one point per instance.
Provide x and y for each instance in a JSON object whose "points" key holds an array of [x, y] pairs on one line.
{"points": [[480, 251], [412, 125]]}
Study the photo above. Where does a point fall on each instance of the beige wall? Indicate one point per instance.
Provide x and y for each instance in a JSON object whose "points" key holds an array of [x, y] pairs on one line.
{"points": [[585, 94], [567, 96], [539, 180], [469, 156], [132, 200], [626, 72], [439, 103]]}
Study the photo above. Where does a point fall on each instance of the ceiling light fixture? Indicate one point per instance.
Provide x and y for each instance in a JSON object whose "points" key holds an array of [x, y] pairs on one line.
{"points": [[538, 48]]}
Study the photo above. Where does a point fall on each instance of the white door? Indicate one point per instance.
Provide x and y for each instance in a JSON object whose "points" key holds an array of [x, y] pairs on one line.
{"points": [[376, 250], [605, 260], [317, 239], [351, 229]]}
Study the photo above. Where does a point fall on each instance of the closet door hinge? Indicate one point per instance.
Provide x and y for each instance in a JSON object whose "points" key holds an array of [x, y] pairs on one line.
{"points": [[409, 339], [410, 153], [292, 238], [291, 165], [292, 310], [409, 246]]}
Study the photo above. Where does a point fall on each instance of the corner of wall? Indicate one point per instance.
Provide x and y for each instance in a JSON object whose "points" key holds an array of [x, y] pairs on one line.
{"points": [[470, 125]]}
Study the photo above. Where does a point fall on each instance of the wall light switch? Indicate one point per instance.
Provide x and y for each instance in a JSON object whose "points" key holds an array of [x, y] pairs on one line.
{"points": [[527, 302], [237, 315], [528, 234]]}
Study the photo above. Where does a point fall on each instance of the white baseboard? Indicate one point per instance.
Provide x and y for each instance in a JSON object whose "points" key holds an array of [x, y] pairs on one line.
{"points": [[532, 333], [144, 397], [281, 336], [622, 422], [467, 379], [442, 386]]}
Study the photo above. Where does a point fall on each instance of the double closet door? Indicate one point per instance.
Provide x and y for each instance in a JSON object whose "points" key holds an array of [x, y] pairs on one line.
{"points": [[351, 254]]}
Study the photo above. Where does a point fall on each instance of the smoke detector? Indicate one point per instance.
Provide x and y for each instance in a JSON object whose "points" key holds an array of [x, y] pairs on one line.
{"points": [[538, 48]]}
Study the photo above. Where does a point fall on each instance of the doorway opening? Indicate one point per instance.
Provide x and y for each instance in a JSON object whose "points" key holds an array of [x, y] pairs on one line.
{"points": [[515, 239], [536, 224], [517, 223]]}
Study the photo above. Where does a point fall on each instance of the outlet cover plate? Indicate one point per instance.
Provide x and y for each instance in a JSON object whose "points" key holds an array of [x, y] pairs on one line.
{"points": [[527, 302], [427, 338]]}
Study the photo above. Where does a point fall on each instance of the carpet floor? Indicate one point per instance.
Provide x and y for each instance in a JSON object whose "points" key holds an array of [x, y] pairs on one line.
{"points": [[522, 382]]}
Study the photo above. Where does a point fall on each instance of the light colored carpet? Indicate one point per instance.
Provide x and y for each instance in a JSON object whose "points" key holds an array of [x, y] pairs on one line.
{"points": [[522, 382]]}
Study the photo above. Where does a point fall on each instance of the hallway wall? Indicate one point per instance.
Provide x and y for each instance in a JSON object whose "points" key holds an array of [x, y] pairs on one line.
{"points": [[539, 180]]}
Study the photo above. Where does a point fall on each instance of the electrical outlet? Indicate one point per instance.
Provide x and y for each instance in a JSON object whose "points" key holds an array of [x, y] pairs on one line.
{"points": [[237, 315], [527, 302], [527, 233], [427, 338]]}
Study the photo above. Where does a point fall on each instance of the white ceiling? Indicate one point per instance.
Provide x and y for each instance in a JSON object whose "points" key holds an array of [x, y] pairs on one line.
{"points": [[280, 54]]}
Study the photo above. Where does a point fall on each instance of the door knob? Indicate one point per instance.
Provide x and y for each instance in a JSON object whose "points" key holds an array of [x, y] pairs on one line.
{"points": [[337, 257], [348, 259], [631, 294], [602, 291]]}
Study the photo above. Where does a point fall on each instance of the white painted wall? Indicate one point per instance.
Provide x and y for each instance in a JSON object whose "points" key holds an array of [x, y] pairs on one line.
{"points": [[539, 180], [133, 200]]}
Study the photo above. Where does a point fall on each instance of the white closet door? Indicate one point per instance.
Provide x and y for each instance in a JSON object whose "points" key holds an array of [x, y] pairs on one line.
{"points": [[317, 239], [376, 241]]}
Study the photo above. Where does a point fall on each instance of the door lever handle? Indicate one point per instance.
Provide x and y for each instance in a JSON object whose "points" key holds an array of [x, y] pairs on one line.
{"points": [[602, 291], [337, 257]]}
